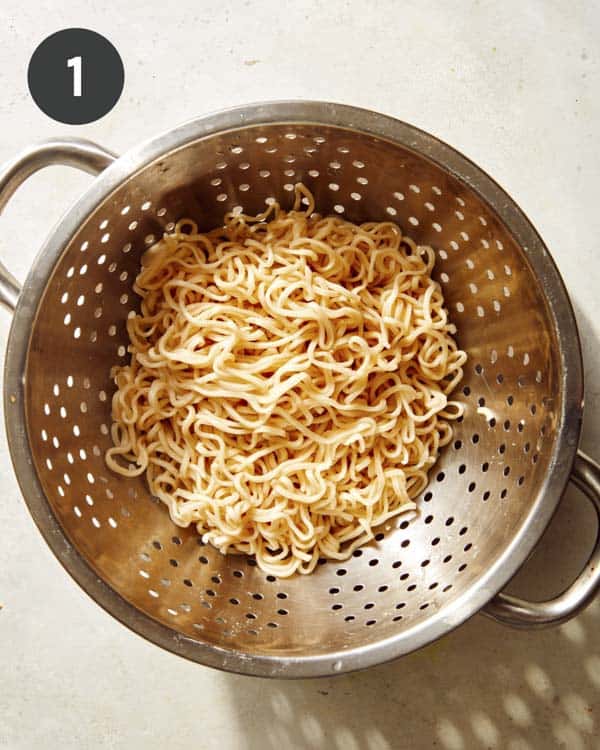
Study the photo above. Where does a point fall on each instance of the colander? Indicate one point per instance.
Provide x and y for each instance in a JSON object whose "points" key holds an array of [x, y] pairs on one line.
{"points": [[492, 492]]}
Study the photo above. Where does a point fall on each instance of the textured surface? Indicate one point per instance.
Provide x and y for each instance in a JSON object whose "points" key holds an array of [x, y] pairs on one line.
{"points": [[525, 113]]}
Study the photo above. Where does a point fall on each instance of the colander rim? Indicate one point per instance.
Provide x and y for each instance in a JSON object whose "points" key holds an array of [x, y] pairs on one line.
{"points": [[380, 126]]}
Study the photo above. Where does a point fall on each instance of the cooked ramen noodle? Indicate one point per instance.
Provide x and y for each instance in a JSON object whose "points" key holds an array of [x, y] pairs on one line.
{"points": [[288, 385]]}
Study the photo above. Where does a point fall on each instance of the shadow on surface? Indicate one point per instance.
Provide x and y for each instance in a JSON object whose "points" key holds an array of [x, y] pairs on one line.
{"points": [[481, 687]]}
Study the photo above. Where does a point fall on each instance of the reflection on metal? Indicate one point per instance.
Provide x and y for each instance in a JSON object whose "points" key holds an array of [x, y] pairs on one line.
{"points": [[493, 491]]}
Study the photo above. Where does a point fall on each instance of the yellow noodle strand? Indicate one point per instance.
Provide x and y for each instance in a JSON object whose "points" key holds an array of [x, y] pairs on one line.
{"points": [[288, 384]]}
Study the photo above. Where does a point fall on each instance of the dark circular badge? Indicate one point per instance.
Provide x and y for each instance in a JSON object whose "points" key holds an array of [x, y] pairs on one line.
{"points": [[75, 76]]}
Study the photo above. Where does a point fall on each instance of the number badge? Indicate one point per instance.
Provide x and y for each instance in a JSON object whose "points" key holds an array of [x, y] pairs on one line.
{"points": [[76, 76]]}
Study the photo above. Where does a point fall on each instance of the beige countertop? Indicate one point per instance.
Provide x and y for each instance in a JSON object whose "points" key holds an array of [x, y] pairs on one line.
{"points": [[514, 86]]}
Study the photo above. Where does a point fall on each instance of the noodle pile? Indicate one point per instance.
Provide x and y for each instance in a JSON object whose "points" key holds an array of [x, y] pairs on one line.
{"points": [[287, 390]]}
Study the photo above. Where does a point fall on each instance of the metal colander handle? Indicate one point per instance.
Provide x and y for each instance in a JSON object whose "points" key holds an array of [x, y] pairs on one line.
{"points": [[75, 152], [511, 610]]}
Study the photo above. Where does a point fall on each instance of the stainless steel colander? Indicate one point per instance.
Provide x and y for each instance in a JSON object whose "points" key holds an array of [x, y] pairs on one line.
{"points": [[491, 494]]}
